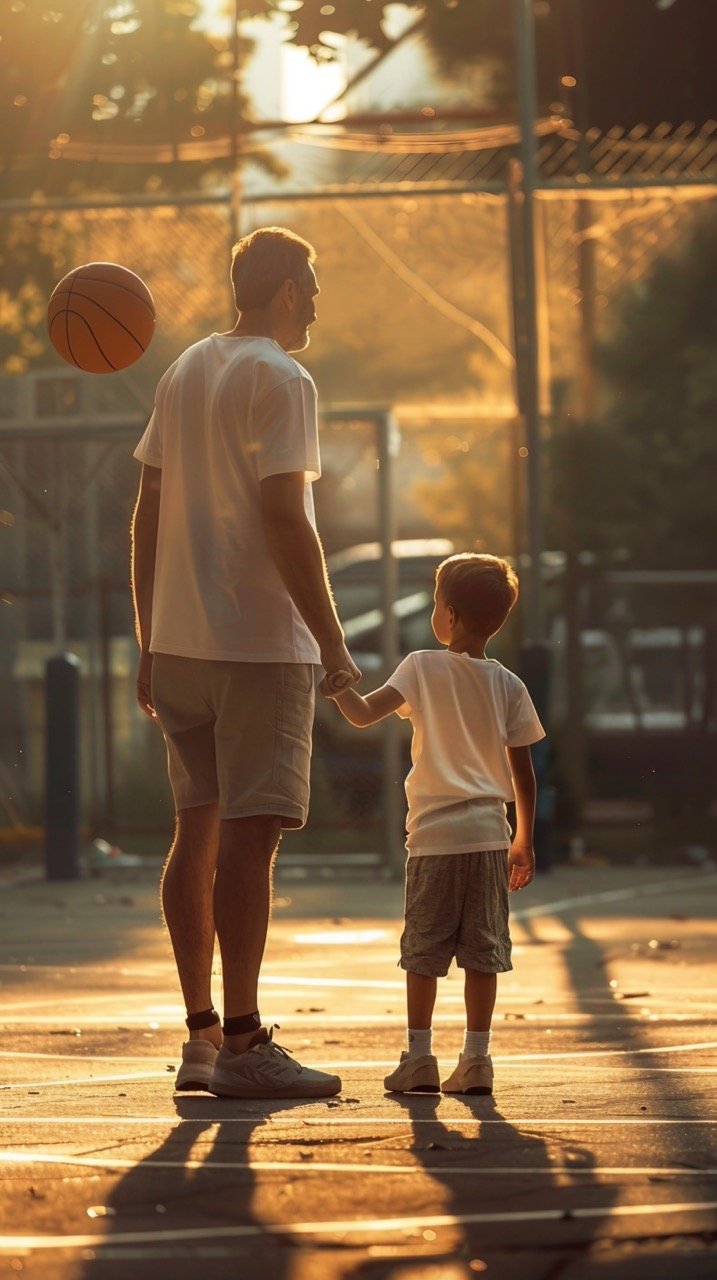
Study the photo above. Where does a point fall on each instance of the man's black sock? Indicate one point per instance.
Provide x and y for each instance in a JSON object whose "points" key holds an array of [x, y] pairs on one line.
{"points": [[240, 1026], [198, 1021]]}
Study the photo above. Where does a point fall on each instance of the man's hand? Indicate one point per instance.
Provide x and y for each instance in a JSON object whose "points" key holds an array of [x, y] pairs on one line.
{"points": [[144, 685], [341, 670], [337, 683], [521, 865]]}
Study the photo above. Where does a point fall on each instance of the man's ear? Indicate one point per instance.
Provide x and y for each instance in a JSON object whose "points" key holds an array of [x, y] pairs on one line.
{"points": [[290, 292]]}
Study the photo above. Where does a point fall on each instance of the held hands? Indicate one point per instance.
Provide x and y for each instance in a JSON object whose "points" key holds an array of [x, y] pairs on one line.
{"points": [[521, 865], [341, 671], [336, 682]]}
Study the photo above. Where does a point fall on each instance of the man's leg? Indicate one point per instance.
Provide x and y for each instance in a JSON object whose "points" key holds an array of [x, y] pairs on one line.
{"points": [[242, 906], [187, 887]]}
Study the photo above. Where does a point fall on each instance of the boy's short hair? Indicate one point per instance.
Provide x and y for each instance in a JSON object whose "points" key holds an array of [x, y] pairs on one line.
{"points": [[263, 260], [481, 588]]}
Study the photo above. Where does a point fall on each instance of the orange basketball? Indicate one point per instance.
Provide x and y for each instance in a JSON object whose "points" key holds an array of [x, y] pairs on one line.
{"points": [[100, 317]]}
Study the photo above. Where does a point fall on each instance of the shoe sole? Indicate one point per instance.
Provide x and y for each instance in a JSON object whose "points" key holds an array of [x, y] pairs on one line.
{"points": [[191, 1085], [415, 1088], [478, 1089], [226, 1088]]}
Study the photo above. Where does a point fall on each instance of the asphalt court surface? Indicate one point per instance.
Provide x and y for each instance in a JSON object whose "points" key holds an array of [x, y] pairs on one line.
{"points": [[596, 1156]]}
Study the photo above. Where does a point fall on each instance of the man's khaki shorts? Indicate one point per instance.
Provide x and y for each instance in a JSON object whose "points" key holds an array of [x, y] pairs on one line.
{"points": [[237, 733], [457, 905]]}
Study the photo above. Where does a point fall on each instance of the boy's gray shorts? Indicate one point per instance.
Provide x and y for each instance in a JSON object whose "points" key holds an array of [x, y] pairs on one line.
{"points": [[457, 905]]}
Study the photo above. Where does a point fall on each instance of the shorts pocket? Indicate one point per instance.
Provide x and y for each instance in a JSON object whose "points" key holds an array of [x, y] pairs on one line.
{"points": [[294, 722]]}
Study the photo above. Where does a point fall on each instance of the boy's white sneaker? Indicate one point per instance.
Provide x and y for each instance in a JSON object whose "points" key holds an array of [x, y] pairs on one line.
{"points": [[414, 1075], [472, 1075]]}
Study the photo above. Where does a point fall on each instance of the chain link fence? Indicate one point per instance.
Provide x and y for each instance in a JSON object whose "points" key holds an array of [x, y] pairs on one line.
{"points": [[414, 314]]}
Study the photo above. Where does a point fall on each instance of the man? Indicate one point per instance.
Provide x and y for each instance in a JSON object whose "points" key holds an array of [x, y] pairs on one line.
{"points": [[233, 612]]}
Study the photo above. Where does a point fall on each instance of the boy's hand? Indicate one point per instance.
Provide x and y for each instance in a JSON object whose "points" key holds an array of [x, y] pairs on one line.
{"points": [[521, 865]]}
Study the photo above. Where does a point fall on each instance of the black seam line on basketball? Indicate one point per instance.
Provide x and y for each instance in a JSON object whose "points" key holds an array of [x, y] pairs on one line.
{"points": [[87, 298], [115, 285], [112, 366], [67, 322], [129, 333]]}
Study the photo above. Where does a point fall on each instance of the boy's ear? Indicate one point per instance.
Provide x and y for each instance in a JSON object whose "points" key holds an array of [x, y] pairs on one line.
{"points": [[452, 616]]}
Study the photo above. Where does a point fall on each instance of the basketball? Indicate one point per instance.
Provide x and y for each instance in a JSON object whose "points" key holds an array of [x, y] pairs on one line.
{"points": [[100, 317]]}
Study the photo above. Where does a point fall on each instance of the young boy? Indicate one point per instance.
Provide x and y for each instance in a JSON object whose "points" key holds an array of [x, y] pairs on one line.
{"points": [[473, 723]]}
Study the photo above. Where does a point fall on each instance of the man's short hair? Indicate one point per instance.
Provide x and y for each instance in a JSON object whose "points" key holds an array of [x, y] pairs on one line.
{"points": [[263, 260], [481, 588]]}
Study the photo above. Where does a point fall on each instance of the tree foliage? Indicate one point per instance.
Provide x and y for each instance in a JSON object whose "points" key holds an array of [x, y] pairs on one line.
{"points": [[642, 477], [119, 74]]}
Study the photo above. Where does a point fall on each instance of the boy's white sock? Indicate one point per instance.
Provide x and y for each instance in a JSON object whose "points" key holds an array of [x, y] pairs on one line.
{"points": [[419, 1042], [475, 1044]]}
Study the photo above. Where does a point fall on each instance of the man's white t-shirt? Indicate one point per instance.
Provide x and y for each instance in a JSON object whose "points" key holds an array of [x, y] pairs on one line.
{"points": [[465, 712], [228, 413]]}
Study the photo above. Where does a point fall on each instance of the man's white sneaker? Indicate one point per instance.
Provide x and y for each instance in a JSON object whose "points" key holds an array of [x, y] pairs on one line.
{"points": [[198, 1058], [472, 1075], [414, 1075], [266, 1070]]}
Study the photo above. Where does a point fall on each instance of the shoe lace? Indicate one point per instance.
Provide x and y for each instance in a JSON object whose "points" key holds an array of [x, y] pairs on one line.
{"points": [[278, 1047]]}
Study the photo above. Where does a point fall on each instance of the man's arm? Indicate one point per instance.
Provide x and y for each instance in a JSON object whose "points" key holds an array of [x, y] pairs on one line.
{"points": [[145, 520], [522, 857], [298, 555]]}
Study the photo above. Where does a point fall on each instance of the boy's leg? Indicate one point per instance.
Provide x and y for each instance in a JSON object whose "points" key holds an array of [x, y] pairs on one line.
{"points": [[420, 1000], [417, 1071], [480, 993]]}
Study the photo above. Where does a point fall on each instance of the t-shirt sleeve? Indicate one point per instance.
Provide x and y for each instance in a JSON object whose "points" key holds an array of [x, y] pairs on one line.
{"points": [[150, 447], [523, 727], [286, 430], [405, 681]]}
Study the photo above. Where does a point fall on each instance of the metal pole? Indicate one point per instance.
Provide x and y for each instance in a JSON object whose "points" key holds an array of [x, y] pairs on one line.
{"points": [[527, 349], [57, 531], [93, 632], [392, 811], [62, 769]]}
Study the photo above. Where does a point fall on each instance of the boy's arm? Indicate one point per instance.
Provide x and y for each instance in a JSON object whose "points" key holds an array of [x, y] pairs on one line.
{"points": [[362, 711], [522, 857]]}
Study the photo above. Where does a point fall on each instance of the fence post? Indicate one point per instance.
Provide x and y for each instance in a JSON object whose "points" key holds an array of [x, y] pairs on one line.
{"points": [[392, 810], [534, 668], [62, 799]]}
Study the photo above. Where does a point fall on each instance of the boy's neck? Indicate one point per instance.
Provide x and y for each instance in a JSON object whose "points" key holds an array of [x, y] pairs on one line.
{"points": [[469, 642]]}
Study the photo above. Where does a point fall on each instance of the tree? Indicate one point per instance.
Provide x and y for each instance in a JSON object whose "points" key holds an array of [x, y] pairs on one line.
{"points": [[81, 81], [137, 79], [642, 477]]}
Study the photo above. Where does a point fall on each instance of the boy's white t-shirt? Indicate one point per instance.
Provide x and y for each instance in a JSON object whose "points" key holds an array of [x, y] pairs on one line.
{"points": [[465, 712], [229, 412]]}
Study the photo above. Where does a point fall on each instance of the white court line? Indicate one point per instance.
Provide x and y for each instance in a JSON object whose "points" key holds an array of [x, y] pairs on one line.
{"points": [[325, 1166], [613, 895], [350, 1226], [56, 1084], [280, 1120], [326, 1017], [506, 1059], [336, 1066]]}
